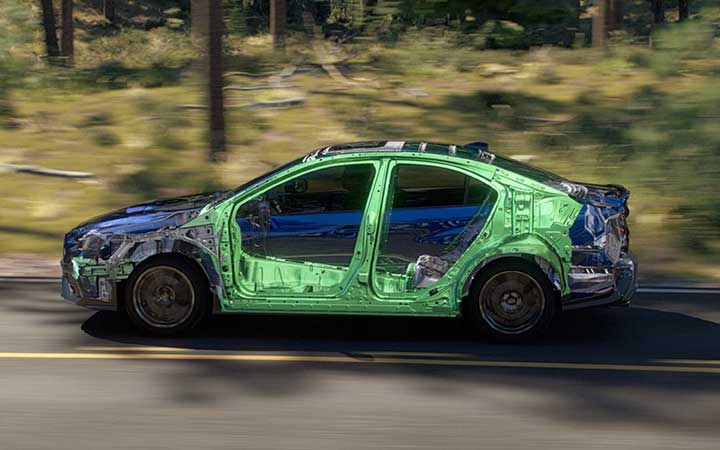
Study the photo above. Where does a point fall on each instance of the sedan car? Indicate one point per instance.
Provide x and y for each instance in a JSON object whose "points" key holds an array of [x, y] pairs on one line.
{"points": [[372, 228]]}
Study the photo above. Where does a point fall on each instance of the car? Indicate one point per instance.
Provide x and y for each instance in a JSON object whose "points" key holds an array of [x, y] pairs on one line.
{"points": [[389, 228]]}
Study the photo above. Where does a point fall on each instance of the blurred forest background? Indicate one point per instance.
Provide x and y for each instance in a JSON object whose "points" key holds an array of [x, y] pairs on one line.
{"points": [[108, 102]]}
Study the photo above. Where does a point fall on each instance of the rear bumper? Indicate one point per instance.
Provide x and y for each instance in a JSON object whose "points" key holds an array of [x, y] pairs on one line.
{"points": [[596, 286]]}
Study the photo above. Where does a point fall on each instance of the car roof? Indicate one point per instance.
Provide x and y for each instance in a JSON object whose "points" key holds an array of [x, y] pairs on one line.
{"points": [[475, 151]]}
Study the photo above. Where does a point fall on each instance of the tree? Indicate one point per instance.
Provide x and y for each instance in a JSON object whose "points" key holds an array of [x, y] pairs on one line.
{"points": [[599, 23], [215, 80], [109, 10], [51, 40], [68, 30], [207, 33], [683, 10], [658, 10], [609, 16], [615, 14], [199, 33], [278, 22]]}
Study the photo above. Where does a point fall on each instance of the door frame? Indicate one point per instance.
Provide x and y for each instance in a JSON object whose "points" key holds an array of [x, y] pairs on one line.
{"points": [[367, 231], [423, 294]]}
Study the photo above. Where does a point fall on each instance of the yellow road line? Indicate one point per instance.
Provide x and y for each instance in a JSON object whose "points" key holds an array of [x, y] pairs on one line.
{"points": [[427, 354], [689, 361], [141, 348], [347, 359], [137, 348]]}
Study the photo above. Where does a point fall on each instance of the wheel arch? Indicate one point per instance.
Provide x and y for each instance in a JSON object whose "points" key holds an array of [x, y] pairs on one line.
{"points": [[540, 262], [188, 252]]}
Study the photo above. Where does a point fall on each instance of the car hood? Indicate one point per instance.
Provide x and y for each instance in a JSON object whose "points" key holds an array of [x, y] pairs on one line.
{"points": [[143, 217]]}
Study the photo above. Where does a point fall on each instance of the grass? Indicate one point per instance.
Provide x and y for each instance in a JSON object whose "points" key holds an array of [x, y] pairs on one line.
{"points": [[589, 116]]}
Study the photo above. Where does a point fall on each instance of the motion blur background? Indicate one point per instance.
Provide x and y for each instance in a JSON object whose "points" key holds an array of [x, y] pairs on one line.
{"points": [[105, 103]]}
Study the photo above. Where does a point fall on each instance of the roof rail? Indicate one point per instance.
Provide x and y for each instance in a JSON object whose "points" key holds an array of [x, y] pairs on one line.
{"points": [[473, 150]]}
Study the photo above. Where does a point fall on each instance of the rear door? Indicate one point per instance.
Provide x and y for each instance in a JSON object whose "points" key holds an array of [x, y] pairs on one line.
{"points": [[431, 215]]}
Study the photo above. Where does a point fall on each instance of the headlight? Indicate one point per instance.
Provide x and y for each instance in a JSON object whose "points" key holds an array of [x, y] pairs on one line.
{"points": [[92, 243]]}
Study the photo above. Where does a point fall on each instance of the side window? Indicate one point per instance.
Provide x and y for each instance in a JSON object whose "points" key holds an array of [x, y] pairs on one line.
{"points": [[313, 217], [432, 216]]}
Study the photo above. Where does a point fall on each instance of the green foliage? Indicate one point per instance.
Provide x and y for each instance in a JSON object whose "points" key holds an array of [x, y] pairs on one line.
{"points": [[132, 47], [160, 173], [171, 130], [15, 31], [677, 46], [98, 119], [491, 23], [175, 18], [104, 138], [14, 34], [504, 34], [106, 76], [682, 132], [236, 16]]}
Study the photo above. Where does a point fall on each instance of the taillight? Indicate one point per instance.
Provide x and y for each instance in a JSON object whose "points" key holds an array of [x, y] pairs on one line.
{"points": [[624, 231]]}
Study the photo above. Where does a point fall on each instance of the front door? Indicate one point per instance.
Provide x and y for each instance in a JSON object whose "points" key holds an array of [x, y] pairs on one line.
{"points": [[299, 238]]}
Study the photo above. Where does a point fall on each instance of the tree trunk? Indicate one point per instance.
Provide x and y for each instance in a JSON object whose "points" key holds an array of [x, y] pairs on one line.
{"points": [[215, 81], [599, 24], [615, 14], [51, 40], [109, 10], [68, 30], [658, 9], [199, 19], [199, 34], [683, 10], [278, 22]]}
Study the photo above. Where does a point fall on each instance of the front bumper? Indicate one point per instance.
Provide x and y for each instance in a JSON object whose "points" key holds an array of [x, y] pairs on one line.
{"points": [[596, 286], [91, 292]]}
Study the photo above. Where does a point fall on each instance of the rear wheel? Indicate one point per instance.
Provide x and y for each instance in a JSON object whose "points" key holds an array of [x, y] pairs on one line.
{"points": [[166, 296], [512, 301]]}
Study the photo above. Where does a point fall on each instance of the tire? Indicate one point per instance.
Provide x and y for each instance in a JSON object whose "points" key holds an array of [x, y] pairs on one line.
{"points": [[512, 301], [166, 296]]}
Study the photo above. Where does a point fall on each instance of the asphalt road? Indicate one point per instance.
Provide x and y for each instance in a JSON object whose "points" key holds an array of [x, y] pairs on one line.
{"points": [[641, 377]]}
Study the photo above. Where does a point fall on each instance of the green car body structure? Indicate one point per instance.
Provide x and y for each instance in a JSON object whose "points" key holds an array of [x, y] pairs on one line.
{"points": [[376, 228]]}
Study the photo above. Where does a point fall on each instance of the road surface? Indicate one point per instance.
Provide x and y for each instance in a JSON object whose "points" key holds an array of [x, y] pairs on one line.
{"points": [[645, 377]]}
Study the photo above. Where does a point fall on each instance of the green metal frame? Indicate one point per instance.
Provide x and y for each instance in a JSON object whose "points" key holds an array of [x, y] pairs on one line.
{"points": [[529, 220]]}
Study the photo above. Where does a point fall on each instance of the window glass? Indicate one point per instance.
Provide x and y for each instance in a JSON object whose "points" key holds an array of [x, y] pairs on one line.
{"points": [[526, 170], [432, 216], [313, 217]]}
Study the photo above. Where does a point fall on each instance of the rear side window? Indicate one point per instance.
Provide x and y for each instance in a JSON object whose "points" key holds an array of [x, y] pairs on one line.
{"points": [[526, 170], [428, 187]]}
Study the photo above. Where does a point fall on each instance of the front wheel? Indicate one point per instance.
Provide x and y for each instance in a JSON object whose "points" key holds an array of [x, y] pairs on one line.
{"points": [[166, 296], [512, 301]]}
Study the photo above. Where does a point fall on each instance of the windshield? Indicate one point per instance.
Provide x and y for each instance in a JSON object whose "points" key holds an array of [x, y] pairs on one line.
{"points": [[526, 170]]}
